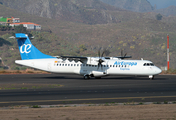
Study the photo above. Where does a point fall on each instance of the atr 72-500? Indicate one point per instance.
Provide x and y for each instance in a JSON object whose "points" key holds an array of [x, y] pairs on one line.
{"points": [[86, 66]]}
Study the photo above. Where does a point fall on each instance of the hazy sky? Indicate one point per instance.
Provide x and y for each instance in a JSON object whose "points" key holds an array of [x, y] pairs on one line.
{"points": [[162, 3]]}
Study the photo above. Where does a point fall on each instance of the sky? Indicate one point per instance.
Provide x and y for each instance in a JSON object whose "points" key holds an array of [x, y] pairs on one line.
{"points": [[162, 3]]}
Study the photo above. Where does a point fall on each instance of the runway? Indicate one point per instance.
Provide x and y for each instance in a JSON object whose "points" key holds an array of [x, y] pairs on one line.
{"points": [[76, 90]]}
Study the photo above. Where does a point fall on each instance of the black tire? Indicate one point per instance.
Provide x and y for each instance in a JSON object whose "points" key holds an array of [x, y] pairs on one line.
{"points": [[86, 77]]}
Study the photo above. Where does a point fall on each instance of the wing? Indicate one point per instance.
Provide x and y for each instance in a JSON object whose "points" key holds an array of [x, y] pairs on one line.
{"points": [[123, 57], [76, 59]]}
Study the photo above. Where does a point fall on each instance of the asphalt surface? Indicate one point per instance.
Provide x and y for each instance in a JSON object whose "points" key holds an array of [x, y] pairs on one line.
{"points": [[76, 90]]}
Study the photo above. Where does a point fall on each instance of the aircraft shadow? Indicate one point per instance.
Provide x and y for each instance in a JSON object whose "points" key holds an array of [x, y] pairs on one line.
{"points": [[74, 77]]}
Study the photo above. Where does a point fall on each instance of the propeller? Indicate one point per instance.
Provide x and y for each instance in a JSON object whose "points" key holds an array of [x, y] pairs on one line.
{"points": [[122, 53], [123, 56], [100, 61]]}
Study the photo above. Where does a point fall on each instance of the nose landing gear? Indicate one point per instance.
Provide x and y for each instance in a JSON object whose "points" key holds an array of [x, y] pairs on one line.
{"points": [[151, 77]]}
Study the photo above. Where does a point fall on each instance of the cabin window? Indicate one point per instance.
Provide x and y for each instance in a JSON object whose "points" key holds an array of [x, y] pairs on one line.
{"points": [[71, 64], [110, 65], [68, 64], [74, 64], [113, 65], [65, 64], [77, 64], [62, 64], [57, 64], [86, 64], [149, 64], [95, 65], [152, 64]]}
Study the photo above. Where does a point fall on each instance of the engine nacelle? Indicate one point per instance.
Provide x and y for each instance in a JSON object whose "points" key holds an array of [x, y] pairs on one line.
{"points": [[98, 74]]}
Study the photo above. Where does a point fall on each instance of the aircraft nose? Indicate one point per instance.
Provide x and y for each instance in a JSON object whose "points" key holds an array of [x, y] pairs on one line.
{"points": [[158, 70]]}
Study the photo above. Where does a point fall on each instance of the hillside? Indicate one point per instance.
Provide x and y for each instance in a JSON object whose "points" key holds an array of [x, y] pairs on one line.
{"points": [[167, 11], [139, 34], [140, 6], [81, 11], [132, 5]]}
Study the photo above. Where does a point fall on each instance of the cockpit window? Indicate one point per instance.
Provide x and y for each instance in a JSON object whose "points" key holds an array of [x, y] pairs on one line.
{"points": [[149, 64]]}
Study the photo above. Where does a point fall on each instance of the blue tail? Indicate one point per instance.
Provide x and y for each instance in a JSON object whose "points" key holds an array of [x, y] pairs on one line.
{"points": [[27, 50]]}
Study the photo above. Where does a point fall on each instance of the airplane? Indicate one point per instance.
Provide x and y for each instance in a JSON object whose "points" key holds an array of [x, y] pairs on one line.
{"points": [[87, 67]]}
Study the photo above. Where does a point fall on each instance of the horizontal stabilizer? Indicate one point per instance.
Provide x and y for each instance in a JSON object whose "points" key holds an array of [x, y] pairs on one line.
{"points": [[21, 35]]}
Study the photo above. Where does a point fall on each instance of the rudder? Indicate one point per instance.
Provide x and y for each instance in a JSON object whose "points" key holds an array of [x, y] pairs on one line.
{"points": [[27, 50]]}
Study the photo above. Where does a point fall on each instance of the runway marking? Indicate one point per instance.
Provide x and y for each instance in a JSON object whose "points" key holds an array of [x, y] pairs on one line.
{"points": [[88, 99]]}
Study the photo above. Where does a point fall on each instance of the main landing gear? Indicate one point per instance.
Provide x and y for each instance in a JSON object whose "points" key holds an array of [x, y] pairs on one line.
{"points": [[151, 77], [86, 77]]}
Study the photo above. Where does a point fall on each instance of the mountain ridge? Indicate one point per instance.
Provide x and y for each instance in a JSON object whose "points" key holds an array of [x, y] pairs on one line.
{"points": [[169, 11], [133, 5], [69, 10]]}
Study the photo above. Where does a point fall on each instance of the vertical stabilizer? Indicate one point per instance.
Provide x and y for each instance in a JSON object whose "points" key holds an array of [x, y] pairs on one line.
{"points": [[27, 50]]}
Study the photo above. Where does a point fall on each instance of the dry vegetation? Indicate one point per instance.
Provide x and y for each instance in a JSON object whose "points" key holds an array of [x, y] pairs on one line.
{"points": [[119, 112], [27, 71]]}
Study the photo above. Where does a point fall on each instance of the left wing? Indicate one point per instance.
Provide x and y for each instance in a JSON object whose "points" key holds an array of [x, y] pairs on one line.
{"points": [[76, 59], [84, 60]]}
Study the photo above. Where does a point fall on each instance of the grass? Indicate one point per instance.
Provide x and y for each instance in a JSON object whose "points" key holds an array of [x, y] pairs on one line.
{"points": [[157, 103], [36, 106], [165, 102], [174, 102], [170, 71], [141, 103]]}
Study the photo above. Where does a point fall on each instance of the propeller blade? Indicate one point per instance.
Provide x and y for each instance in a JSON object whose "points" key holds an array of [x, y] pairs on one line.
{"points": [[101, 67], [98, 66], [102, 54], [121, 52], [107, 52], [99, 53], [125, 55]]}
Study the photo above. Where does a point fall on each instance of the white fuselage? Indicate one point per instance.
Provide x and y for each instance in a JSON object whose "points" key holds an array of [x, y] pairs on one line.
{"points": [[109, 67]]}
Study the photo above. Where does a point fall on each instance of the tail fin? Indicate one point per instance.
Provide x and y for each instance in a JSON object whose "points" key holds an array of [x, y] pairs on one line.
{"points": [[27, 50]]}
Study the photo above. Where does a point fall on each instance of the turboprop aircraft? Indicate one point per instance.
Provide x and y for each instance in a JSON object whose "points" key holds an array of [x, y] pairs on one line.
{"points": [[86, 66]]}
